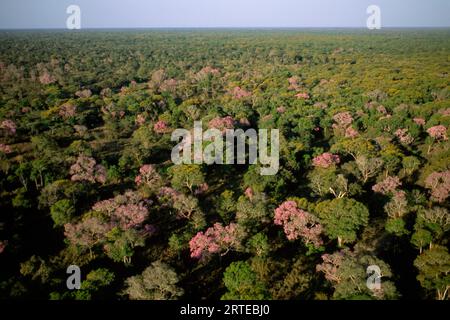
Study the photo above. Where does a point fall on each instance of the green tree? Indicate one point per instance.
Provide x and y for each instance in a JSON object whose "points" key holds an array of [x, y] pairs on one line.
{"points": [[434, 271], [242, 283], [342, 218]]}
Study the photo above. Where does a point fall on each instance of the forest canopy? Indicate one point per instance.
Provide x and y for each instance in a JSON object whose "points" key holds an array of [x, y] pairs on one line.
{"points": [[86, 176]]}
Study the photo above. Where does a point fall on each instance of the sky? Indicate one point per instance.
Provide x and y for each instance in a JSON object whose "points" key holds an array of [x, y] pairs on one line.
{"points": [[30, 14]]}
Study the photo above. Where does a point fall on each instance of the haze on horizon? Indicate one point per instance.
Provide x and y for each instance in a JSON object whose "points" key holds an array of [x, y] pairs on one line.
{"points": [[30, 14]]}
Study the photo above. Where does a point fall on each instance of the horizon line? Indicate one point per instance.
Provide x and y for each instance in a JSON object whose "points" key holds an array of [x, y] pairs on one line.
{"points": [[219, 27]]}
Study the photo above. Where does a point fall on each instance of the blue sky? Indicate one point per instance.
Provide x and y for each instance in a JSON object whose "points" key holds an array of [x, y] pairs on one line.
{"points": [[16, 14]]}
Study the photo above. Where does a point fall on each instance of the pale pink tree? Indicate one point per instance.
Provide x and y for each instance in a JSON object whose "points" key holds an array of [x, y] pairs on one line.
{"points": [[160, 127], [222, 124], [298, 223], [293, 83], [85, 93], [216, 239], [148, 176], [67, 110], [439, 185], [420, 121], [326, 160], [330, 266], [351, 133], [140, 119], [437, 133], [302, 96], [3, 245], [388, 186], [46, 78], [4, 148], [342, 119], [239, 93], [86, 169], [404, 137], [9, 126]]}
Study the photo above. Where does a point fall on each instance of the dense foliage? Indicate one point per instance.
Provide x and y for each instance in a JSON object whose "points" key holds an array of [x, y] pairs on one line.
{"points": [[86, 176]]}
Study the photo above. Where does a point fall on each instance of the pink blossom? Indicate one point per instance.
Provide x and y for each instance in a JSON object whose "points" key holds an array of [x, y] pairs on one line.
{"points": [[438, 132], [293, 83], [439, 184], [9, 125], [201, 189], [419, 121], [67, 110], [205, 72], [85, 93], [239, 93], [326, 160], [404, 137], [281, 109], [321, 105], [214, 240], [140, 119], [160, 127], [302, 95], [5, 148], [222, 124], [86, 169], [148, 176], [124, 211], [343, 119], [169, 85], [382, 109], [351, 133], [387, 186], [46, 78], [249, 193], [3, 245], [298, 223], [330, 266], [88, 232]]}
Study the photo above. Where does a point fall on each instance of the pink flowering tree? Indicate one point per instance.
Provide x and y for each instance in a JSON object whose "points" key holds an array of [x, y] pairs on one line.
{"points": [[388, 186], [420, 121], [9, 126], [302, 96], [238, 93], [46, 78], [140, 119], [293, 83], [4, 148], [222, 124], [160, 127], [437, 133], [330, 266], [298, 223], [86, 169], [439, 185], [116, 225], [3, 245], [67, 110], [342, 120], [148, 176], [326, 160], [351, 133], [124, 211], [404, 137], [216, 239]]}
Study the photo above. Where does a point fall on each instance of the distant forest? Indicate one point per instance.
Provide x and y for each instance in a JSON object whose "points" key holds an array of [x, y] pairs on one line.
{"points": [[86, 176]]}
